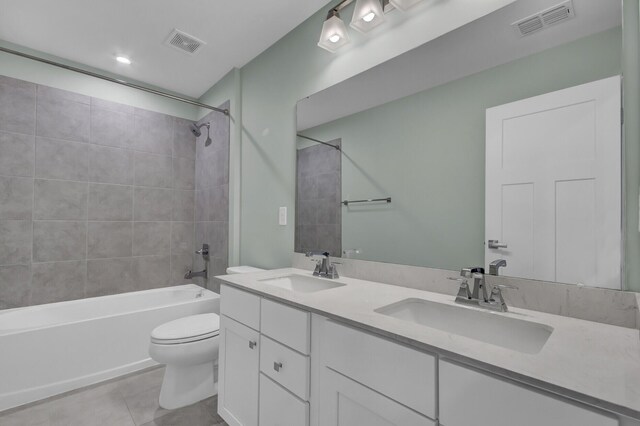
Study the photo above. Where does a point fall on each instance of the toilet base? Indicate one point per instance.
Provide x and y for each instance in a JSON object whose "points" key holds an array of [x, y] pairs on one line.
{"points": [[187, 384]]}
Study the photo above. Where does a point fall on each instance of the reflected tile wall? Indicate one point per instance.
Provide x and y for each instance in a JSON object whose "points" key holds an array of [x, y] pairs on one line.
{"points": [[211, 195], [96, 197], [318, 196]]}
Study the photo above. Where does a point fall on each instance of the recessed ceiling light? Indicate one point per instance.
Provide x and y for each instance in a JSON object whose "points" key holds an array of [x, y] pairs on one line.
{"points": [[123, 60]]}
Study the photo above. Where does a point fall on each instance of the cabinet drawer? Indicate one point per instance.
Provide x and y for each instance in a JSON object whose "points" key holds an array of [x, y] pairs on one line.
{"points": [[286, 325], [292, 369], [398, 372], [279, 407], [240, 305], [470, 397]]}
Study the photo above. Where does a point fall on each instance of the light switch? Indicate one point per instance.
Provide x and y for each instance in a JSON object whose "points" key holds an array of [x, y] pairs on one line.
{"points": [[282, 216]]}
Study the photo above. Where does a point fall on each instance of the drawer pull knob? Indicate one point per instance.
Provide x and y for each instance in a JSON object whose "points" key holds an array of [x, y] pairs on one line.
{"points": [[277, 366], [252, 345]]}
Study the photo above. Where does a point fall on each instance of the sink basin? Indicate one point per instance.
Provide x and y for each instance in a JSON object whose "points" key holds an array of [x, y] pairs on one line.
{"points": [[488, 327], [302, 283]]}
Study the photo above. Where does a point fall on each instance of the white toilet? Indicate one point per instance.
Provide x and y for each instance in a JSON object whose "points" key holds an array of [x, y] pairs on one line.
{"points": [[189, 348]]}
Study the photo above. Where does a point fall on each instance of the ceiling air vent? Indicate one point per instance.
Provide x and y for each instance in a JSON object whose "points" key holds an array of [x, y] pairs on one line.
{"points": [[184, 42], [544, 19]]}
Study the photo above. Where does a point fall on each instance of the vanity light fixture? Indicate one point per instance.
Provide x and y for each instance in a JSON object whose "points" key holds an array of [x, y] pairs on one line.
{"points": [[404, 5], [123, 60], [367, 15], [334, 32]]}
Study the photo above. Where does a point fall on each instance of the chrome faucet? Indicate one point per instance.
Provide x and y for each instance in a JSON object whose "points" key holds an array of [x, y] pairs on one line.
{"points": [[479, 296], [204, 252], [494, 267], [324, 267], [190, 274]]}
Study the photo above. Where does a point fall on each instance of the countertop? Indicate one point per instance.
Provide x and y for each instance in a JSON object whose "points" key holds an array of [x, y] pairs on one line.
{"points": [[597, 364]]}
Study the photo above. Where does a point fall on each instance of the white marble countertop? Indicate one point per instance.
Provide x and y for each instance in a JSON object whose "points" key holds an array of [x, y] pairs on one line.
{"points": [[594, 363]]}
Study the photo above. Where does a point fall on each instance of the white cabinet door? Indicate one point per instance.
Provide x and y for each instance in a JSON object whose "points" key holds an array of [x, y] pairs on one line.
{"points": [[344, 402], [471, 398], [553, 185], [279, 407], [238, 373]]}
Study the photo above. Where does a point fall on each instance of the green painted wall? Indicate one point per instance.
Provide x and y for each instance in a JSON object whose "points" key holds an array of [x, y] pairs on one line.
{"points": [[229, 89], [427, 151], [291, 69], [48, 75]]}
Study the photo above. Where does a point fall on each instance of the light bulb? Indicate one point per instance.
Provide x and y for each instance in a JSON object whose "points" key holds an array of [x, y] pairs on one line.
{"points": [[369, 17], [123, 60], [367, 14], [334, 33]]}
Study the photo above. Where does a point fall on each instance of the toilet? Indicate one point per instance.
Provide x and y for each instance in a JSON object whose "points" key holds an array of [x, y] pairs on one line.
{"points": [[189, 348]]}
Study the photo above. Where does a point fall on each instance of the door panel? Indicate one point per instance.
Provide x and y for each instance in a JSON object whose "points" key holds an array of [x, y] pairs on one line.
{"points": [[553, 185], [469, 397], [345, 402], [239, 373]]}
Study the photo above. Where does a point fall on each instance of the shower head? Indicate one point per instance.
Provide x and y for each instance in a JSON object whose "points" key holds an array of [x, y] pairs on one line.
{"points": [[195, 129]]}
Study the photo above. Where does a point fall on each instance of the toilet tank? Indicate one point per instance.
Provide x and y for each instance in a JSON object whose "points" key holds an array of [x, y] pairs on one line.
{"points": [[242, 269]]}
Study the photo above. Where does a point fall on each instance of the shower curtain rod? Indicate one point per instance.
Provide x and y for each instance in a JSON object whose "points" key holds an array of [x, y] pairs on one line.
{"points": [[319, 141], [114, 80]]}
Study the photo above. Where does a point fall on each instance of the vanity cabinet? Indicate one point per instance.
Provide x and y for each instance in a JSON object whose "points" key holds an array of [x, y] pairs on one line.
{"points": [[264, 361], [470, 397], [281, 365]]}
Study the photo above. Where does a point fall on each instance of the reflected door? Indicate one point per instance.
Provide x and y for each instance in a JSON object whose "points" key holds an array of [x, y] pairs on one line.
{"points": [[553, 185]]}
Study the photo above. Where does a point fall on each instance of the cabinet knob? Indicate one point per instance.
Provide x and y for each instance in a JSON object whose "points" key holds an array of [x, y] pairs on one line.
{"points": [[277, 366], [252, 345]]}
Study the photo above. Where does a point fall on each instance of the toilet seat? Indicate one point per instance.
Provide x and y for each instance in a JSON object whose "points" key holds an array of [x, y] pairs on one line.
{"points": [[188, 329]]}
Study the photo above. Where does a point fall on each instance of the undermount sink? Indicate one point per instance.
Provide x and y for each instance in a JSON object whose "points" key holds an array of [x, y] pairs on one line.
{"points": [[302, 283], [488, 327]]}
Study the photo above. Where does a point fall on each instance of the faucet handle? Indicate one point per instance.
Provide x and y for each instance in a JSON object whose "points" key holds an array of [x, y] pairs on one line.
{"points": [[333, 272], [463, 290], [465, 272]]}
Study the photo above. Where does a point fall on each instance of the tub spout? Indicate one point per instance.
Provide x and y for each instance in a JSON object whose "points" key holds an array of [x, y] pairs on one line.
{"points": [[190, 274]]}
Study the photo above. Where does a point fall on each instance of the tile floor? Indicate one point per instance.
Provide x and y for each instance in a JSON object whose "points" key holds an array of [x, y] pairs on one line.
{"points": [[129, 401]]}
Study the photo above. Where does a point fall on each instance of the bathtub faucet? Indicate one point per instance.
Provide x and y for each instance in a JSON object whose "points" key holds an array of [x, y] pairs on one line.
{"points": [[190, 274]]}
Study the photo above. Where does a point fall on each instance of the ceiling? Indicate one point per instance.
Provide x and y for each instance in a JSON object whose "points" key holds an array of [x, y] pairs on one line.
{"points": [[477, 46], [94, 32]]}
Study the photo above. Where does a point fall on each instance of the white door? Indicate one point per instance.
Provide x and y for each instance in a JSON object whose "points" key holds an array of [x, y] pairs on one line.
{"points": [[345, 402], [238, 373], [553, 185]]}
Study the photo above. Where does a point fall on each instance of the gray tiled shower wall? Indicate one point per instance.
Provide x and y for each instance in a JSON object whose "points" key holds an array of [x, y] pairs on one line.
{"points": [[318, 193], [96, 197], [212, 195]]}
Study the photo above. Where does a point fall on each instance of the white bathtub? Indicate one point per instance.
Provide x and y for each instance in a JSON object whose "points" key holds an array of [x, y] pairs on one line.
{"points": [[49, 349]]}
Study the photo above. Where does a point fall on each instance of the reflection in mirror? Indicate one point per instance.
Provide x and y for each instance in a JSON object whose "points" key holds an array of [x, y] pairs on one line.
{"points": [[486, 147]]}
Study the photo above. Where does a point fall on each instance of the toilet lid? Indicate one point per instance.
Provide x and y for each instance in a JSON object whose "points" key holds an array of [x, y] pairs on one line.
{"points": [[187, 329]]}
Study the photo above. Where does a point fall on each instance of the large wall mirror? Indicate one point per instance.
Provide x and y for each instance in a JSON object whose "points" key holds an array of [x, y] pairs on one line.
{"points": [[499, 142]]}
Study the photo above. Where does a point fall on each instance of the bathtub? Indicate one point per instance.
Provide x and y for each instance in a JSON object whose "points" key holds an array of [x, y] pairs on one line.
{"points": [[49, 349]]}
